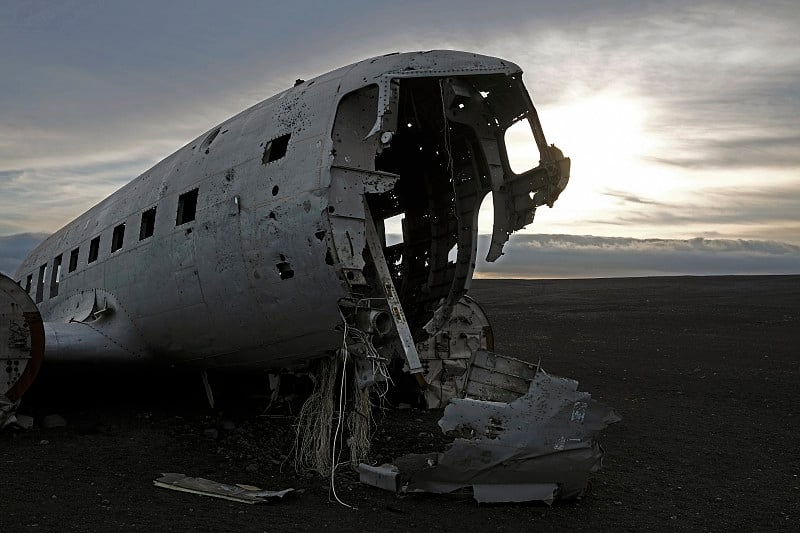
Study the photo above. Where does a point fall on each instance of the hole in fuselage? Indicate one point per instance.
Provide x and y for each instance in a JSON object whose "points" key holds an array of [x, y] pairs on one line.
{"points": [[437, 160], [285, 269]]}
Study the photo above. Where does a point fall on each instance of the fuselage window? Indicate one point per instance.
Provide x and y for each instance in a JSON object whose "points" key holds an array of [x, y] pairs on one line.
{"points": [[40, 283], [94, 249], [148, 224], [73, 260], [28, 282], [55, 277], [187, 207], [117, 237]]}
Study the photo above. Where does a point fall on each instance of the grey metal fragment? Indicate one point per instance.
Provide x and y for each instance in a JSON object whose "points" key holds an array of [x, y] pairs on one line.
{"points": [[540, 446], [451, 347], [7, 411], [498, 378], [384, 476], [214, 489]]}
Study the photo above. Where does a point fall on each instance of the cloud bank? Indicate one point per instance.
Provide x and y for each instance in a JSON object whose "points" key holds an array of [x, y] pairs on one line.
{"points": [[573, 256], [14, 248], [576, 256]]}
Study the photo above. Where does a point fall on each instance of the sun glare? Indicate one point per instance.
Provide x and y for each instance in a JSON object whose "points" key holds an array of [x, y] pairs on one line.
{"points": [[604, 136]]}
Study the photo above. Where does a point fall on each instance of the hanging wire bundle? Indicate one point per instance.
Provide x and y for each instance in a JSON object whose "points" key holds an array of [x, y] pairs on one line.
{"points": [[315, 420]]}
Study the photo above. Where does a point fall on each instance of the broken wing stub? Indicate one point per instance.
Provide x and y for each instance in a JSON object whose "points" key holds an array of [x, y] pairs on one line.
{"points": [[540, 447]]}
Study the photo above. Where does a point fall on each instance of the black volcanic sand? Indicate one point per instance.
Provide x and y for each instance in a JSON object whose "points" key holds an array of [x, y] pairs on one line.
{"points": [[703, 371]]}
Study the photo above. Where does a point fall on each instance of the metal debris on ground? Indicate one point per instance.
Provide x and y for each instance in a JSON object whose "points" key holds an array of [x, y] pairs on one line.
{"points": [[384, 476], [7, 411], [539, 447], [206, 487]]}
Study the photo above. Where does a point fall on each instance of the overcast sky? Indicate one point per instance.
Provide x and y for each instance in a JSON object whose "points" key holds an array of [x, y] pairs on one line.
{"points": [[681, 118]]}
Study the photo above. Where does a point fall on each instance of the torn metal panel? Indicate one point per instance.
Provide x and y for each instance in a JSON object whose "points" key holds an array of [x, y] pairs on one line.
{"points": [[446, 355], [497, 377], [540, 446], [206, 487]]}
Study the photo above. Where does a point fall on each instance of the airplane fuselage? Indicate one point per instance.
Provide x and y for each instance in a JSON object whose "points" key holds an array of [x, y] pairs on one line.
{"points": [[241, 247]]}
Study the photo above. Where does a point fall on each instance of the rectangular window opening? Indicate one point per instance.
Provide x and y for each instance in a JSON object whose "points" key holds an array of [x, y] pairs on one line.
{"points": [[55, 276], [28, 282], [73, 260], [275, 149], [148, 224], [187, 206], [94, 249], [117, 237], [40, 283]]}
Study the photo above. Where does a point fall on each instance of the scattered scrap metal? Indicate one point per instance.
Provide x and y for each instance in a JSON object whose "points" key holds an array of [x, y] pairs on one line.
{"points": [[541, 446], [206, 487]]}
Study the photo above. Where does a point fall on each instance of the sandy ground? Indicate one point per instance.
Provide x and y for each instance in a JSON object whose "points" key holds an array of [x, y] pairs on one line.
{"points": [[703, 370]]}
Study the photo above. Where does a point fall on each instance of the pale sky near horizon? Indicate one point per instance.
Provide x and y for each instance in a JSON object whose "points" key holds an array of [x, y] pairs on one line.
{"points": [[681, 118]]}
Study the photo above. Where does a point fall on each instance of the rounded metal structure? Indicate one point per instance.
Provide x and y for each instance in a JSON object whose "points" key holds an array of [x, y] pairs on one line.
{"points": [[21, 339]]}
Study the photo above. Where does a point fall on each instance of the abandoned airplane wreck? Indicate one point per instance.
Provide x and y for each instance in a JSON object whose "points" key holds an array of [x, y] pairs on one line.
{"points": [[266, 242]]}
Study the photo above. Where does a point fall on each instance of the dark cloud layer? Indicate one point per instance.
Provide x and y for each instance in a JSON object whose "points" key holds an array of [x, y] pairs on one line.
{"points": [[14, 248], [572, 256], [750, 152]]}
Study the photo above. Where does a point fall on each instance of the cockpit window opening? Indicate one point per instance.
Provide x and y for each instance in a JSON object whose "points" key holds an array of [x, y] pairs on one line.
{"points": [[521, 148]]}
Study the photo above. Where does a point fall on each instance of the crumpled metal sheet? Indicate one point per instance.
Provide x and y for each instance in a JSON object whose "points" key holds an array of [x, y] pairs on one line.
{"points": [[8, 410], [541, 446], [214, 489]]}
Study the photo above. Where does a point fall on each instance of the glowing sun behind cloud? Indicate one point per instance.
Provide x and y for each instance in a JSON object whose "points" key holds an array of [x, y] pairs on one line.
{"points": [[604, 135]]}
